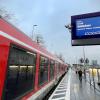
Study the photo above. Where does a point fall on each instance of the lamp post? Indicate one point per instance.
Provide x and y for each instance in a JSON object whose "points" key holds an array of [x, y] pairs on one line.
{"points": [[33, 35]]}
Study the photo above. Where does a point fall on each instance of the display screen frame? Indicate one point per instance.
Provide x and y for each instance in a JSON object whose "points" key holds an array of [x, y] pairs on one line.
{"points": [[85, 39]]}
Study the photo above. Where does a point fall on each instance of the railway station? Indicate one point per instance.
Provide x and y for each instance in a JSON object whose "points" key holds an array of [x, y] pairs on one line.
{"points": [[33, 73], [49, 50]]}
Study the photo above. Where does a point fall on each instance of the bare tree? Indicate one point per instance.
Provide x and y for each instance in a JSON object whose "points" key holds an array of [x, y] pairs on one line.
{"points": [[39, 39], [60, 56], [5, 14]]}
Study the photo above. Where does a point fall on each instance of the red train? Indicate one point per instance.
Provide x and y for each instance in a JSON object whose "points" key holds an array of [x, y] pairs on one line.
{"points": [[27, 70]]}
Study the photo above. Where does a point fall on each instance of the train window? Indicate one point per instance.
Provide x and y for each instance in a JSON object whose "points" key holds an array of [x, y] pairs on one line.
{"points": [[13, 70], [52, 65], [57, 70], [21, 73], [43, 72], [59, 66]]}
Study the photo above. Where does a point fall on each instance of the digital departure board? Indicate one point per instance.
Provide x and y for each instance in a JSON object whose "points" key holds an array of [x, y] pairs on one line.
{"points": [[85, 29], [88, 26]]}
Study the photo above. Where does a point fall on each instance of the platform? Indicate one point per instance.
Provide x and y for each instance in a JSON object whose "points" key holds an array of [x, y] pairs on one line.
{"points": [[63, 89], [70, 88], [82, 91]]}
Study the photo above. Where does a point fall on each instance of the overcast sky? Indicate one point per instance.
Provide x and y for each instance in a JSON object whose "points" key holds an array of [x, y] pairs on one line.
{"points": [[51, 17]]}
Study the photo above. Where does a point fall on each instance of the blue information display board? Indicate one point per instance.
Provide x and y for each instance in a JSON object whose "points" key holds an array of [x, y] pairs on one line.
{"points": [[88, 26], [85, 29]]}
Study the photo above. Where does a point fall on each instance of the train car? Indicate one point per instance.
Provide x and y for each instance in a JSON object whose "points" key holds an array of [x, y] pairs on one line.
{"points": [[27, 70]]}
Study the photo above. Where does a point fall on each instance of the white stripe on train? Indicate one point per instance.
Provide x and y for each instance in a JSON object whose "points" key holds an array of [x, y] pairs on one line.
{"points": [[24, 44], [38, 94]]}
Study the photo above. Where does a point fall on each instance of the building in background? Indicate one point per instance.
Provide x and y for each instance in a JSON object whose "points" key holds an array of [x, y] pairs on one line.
{"points": [[94, 63]]}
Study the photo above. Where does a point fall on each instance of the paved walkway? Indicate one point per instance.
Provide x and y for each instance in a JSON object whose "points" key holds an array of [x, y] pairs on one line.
{"points": [[82, 91]]}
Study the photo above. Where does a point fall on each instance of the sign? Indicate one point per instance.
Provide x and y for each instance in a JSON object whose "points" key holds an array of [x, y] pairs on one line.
{"points": [[88, 26], [86, 29], [86, 60], [81, 60]]}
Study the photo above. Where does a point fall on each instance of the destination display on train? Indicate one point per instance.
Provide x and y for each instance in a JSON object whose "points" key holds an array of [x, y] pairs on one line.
{"points": [[88, 26]]}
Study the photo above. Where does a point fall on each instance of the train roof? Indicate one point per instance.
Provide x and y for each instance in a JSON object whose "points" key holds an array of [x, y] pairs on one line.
{"points": [[11, 32]]}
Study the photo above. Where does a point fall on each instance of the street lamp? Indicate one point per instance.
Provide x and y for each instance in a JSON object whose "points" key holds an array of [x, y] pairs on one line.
{"points": [[33, 35]]}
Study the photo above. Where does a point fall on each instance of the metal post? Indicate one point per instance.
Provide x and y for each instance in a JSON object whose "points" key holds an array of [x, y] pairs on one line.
{"points": [[84, 63], [98, 74], [90, 77], [93, 78]]}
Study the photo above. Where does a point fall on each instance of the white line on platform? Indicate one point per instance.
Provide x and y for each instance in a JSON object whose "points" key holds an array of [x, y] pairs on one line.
{"points": [[59, 98], [58, 93], [60, 90], [67, 97]]}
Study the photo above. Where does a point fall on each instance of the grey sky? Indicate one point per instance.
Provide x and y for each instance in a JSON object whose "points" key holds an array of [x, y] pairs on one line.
{"points": [[51, 16]]}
